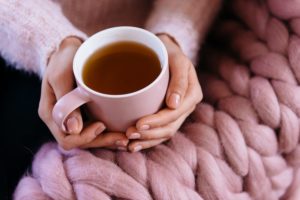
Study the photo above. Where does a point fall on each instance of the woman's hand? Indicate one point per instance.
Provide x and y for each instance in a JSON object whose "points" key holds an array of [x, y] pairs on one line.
{"points": [[183, 94], [58, 80]]}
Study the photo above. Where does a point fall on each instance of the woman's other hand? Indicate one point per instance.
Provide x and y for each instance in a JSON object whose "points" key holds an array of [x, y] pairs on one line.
{"points": [[183, 94], [57, 81]]}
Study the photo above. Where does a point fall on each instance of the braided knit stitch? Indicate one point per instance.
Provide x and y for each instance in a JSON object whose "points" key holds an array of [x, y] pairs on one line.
{"points": [[241, 144]]}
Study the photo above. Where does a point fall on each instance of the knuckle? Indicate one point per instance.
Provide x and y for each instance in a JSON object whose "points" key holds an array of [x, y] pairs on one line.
{"points": [[197, 100], [192, 109], [199, 97], [43, 114]]}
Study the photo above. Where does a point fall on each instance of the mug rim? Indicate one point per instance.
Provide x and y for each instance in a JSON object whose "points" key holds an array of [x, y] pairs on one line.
{"points": [[164, 63]]}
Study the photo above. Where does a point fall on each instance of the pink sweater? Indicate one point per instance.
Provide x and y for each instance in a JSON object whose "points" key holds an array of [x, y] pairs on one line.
{"points": [[31, 30]]}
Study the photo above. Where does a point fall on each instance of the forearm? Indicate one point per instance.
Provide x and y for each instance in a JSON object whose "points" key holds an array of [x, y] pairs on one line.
{"points": [[31, 30], [186, 21]]}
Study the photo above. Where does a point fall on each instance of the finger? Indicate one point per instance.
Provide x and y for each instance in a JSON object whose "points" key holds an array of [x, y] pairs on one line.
{"points": [[67, 142], [166, 116], [60, 67], [154, 136], [62, 82], [166, 131], [179, 68], [139, 145], [113, 140], [46, 104], [47, 100], [88, 134]]}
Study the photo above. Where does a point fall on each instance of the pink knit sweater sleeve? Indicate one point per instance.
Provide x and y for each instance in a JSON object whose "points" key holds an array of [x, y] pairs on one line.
{"points": [[30, 30], [186, 21]]}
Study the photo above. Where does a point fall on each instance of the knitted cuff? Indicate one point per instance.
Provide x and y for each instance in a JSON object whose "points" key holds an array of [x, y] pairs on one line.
{"points": [[181, 30], [186, 21], [31, 31], [51, 41]]}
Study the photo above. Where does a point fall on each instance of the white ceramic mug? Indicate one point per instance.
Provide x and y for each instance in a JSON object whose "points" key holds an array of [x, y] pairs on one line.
{"points": [[117, 112]]}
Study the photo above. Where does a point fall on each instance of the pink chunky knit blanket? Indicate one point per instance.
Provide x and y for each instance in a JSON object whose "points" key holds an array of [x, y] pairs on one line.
{"points": [[241, 143]]}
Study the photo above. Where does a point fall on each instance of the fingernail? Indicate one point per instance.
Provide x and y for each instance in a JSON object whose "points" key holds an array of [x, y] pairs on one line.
{"points": [[175, 100], [137, 148], [99, 130], [72, 125], [122, 148], [121, 143], [144, 127], [135, 136]]}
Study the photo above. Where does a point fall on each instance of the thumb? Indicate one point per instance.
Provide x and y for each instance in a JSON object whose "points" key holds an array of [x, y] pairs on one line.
{"points": [[179, 69]]}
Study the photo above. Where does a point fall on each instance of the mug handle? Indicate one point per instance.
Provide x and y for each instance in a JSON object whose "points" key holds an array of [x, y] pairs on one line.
{"points": [[67, 104]]}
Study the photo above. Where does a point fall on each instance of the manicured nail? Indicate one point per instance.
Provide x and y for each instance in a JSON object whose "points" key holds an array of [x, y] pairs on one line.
{"points": [[121, 143], [134, 136], [122, 148], [137, 148], [175, 100], [144, 127], [72, 125], [99, 130]]}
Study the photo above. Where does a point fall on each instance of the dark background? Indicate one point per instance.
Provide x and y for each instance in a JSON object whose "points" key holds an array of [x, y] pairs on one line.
{"points": [[22, 132]]}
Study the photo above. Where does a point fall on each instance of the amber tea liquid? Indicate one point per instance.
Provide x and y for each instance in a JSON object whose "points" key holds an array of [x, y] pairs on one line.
{"points": [[121, 68]]}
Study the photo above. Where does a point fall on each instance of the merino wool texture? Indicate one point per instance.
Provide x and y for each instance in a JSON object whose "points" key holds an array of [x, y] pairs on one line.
{"points": [[242, 142]]}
